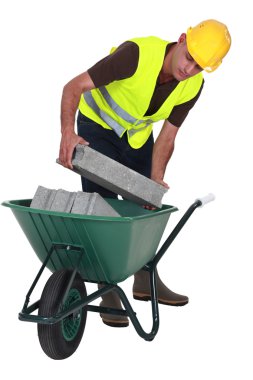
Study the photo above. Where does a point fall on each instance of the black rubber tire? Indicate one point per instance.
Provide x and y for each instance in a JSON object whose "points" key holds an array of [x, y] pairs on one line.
{"points": [[51, 337]]}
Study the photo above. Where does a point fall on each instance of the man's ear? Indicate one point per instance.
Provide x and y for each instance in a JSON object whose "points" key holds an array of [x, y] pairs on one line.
{"points": [[182, 38]]}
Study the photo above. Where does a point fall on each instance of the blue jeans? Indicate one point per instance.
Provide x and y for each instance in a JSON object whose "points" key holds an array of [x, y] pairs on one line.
{"points": [[108, 143]]}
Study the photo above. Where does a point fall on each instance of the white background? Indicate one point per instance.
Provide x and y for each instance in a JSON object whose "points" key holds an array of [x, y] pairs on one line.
{"points": [[43, 46]]}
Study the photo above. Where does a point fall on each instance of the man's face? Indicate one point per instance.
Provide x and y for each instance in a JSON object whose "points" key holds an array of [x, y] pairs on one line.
{"points": [[183, 65]]}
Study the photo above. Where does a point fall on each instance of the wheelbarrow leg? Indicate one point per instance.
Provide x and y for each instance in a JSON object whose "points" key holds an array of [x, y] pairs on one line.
{"points": [[132, 315]]}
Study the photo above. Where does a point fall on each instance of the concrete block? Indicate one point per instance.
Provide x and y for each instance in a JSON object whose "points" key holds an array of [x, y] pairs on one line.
{"points": [[92, 204], [54, 200], [74, 202], [63, 201], [116, 177], [43, 198]]}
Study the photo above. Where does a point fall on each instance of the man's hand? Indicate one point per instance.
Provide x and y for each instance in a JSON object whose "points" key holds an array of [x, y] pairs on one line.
{"points": [[161, 182], [72, 92], [150, 208], [162, 152], [69, 141]]}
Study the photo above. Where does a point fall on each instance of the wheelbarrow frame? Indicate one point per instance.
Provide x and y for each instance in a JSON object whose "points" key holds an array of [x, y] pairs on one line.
{"points": [[26, 312]]}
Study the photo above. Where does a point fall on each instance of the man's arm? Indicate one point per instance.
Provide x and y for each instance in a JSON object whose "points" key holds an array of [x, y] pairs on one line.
{"points": [[119, 65], [162, 152], [69, 104]]}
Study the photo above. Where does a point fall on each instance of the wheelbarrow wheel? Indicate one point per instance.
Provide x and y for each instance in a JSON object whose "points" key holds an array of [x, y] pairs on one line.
{"points": [[61, 339]]}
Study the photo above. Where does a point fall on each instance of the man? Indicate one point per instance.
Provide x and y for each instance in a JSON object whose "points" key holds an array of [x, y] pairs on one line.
{"points": [[143, 81]]}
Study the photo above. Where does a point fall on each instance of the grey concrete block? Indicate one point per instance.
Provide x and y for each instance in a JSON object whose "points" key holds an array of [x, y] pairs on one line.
{"points": [[54, 200], [63, 201], [117, 177], [92, 204], [81, 203], [74, 202], [43, 198]]}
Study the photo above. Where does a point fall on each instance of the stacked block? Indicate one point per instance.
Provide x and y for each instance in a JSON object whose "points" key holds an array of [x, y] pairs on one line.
{"points": [[72, 202]]}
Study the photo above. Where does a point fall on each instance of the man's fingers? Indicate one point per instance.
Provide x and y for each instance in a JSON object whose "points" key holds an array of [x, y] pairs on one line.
{"points": [[82, 141], [148, 207], [69, 158], [67, 148]]}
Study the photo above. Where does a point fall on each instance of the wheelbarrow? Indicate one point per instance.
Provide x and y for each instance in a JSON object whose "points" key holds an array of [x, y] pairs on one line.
{"points": [[81, 248]]}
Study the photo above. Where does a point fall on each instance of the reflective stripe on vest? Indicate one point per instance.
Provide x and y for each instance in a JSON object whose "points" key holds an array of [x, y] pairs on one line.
{"points": [[118, 129]]}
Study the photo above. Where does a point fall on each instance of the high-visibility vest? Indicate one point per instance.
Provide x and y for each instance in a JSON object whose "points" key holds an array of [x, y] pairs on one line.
{"points": [[121, 105]]}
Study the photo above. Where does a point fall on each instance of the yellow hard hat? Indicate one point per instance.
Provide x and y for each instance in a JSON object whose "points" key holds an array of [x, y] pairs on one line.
{"points": [[208, 43]]}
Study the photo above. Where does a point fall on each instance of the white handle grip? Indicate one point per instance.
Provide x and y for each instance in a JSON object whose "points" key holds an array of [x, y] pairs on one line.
{"points": [[208, 198]]}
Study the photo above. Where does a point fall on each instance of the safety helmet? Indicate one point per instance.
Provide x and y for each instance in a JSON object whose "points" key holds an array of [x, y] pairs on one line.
{"points": [[208, 43]]}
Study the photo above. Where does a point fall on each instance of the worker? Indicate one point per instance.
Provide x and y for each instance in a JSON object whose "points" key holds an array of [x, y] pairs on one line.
{"points": [[142, 81]]}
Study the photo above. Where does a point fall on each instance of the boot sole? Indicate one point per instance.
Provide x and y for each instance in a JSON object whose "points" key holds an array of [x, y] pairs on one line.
{"points": [[111, 323], [162, 302]]}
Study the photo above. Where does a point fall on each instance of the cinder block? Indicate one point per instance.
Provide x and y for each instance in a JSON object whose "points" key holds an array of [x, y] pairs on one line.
{"points": [[43, 198], [116, 177], [63, 201], [74, 202], [92, 204], [54, 200]]}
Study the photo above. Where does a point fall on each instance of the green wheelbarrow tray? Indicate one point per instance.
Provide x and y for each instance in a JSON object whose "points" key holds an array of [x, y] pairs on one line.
{"points": [[114, 248], [78, 249]]}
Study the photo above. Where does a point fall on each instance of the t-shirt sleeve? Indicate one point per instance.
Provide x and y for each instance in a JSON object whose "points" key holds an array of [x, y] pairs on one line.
{"points": [[121, 64], [180, 112]]}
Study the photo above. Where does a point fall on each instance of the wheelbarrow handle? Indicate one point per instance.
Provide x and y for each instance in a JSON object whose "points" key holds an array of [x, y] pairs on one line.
{"points": [[204, 200], [200, 202]]}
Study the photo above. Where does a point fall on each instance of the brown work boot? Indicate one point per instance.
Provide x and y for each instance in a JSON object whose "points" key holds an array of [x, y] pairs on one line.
{"points": [[141, 290], [112, 299]]}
